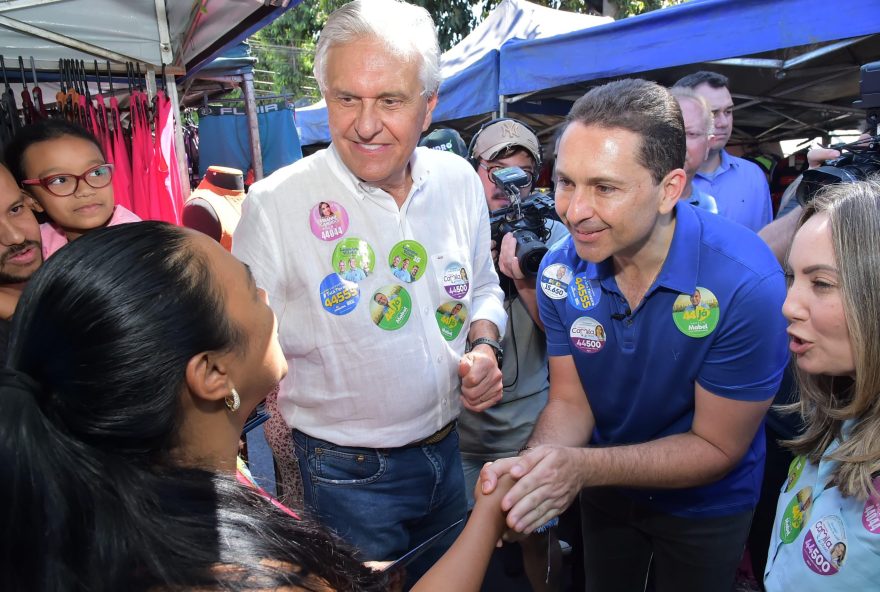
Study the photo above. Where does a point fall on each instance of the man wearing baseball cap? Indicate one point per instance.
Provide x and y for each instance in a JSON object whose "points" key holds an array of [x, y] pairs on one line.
{"points": [[502, 430]]}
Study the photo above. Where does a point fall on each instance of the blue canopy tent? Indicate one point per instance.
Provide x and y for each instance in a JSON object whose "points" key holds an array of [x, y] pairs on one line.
{"points": [[779, 52], [470, 69]]}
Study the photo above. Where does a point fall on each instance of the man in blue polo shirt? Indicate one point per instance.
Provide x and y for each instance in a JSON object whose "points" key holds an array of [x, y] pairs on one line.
{"points": [[738, 186], [655, 404]]}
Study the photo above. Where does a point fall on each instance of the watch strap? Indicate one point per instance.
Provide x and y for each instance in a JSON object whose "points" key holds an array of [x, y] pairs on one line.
{"points": [[499, 352]]}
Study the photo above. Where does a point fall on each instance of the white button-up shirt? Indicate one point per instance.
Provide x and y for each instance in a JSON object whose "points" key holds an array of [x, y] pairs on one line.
{"points": [[351, 381]]}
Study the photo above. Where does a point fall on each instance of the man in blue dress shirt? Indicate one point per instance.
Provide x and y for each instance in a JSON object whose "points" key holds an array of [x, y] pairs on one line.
{"points": [[738, 186]]}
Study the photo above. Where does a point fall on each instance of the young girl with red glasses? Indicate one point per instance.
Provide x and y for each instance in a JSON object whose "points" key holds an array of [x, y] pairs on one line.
{"points": [[64, 168]]}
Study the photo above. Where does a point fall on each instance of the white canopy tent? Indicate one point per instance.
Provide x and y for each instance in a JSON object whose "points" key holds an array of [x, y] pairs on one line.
{"points": [[180, 35]]}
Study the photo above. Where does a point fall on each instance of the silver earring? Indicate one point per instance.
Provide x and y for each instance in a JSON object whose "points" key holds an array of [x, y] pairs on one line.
{"points": [[232, 400]]}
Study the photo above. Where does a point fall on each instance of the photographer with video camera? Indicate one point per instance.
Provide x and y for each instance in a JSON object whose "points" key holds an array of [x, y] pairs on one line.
{"points": [[844, 163], [507, 156]]}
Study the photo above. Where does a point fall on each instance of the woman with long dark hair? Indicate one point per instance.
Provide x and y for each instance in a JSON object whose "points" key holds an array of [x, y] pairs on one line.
{"points": [[137, 353]]}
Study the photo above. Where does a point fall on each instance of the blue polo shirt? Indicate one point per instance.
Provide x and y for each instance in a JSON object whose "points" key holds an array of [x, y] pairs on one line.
{"points": [[639, 369], [740, 189]]}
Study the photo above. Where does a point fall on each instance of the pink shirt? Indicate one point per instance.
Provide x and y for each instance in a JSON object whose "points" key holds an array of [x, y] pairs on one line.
{"points": [[54, 238]]}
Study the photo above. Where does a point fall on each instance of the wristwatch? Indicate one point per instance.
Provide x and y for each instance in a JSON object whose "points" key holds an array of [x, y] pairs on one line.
{"points": [[499, 352]]}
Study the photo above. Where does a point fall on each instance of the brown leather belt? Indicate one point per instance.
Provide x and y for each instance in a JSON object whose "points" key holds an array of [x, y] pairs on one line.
{"points": [[434, 438]]}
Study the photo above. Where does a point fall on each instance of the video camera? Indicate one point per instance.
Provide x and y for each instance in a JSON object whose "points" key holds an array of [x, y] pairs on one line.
{"points": [[858, 159], [525, 218]]}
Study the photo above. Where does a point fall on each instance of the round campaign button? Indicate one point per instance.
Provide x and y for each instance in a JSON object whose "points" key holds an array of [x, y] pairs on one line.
{"points": [[555, 280], [796, 514], [584, 293], [353, 259], [696, 314], [587, 334], [871, 512], [338, 296], [824, 549], [455, 280], [328, 220], [794, 472], [390, 307], [450, 318], [408, 260]]}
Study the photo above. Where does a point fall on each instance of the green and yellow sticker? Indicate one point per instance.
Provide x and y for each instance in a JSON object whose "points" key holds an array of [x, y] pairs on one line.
{"points": [[696, 314]]}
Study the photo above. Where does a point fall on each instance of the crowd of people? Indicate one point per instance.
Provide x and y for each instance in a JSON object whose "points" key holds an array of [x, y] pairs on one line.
{"points": [[430, 392]]}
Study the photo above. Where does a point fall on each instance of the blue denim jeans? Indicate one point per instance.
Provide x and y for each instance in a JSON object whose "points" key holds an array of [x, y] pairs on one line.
{"points": [[385, 501]]}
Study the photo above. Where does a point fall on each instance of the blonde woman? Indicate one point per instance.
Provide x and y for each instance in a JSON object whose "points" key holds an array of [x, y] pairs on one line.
{"points": [[833, 309]]}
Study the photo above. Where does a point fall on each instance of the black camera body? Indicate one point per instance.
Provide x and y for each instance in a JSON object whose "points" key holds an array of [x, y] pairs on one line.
{"points": [[850, 167], [859, 159], [525, 218]]}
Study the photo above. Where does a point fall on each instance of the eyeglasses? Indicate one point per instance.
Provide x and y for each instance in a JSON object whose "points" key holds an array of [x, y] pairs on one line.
{"points": [[491, 168], [64, 184]]}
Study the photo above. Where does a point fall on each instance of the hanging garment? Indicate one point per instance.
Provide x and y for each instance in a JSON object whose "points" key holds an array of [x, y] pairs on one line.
{"points": [[224, 139], [141, 155], [122, 185], [166, 199]]}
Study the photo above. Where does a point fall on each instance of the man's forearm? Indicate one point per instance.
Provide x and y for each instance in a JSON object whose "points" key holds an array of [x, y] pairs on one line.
{"points": [[483, 328], [555, 425], [677, 461]]}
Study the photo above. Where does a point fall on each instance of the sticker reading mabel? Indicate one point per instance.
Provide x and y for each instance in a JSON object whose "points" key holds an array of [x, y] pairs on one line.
{"points": [[696, 314], [390, 307], [328, 220], [408, 260], [450, 319], [796, 514]]}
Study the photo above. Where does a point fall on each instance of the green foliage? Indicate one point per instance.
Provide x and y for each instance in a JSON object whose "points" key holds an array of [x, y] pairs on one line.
{"points": [[285, 48]]}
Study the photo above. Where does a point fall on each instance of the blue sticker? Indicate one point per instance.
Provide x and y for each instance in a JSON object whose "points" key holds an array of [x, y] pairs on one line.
{"points": [[584, 293], [339, 296]]}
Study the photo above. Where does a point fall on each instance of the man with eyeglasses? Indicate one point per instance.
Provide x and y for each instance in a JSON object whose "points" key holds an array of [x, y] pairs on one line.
{"points": [[501, 431]]}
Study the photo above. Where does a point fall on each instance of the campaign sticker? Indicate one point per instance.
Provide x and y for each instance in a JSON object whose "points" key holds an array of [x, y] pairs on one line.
{"points": [[794, 472], [408, 260], [328, 220], [696, 315], [796, 514], [584, 293], [824, 549], [353, 259], [450, 318], [871, 513], [339, 296], [455, 280], [390, 307], [587, 334], [555, 280]]}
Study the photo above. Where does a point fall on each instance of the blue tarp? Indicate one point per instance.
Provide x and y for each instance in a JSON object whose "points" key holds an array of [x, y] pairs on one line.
{"points": [[470, 69], [694, 32]]}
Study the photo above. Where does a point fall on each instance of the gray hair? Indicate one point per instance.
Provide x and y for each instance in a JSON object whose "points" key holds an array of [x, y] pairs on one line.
{"points": [[406, 30], [685, 93]]}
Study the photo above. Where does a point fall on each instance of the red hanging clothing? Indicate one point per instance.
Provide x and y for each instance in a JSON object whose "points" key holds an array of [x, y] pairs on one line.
{"points": [[122, 186], [168, 191], [141, 156]]}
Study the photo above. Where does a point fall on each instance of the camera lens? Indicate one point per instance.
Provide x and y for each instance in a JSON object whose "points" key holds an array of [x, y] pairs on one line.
{"points": [[530, 251]]}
